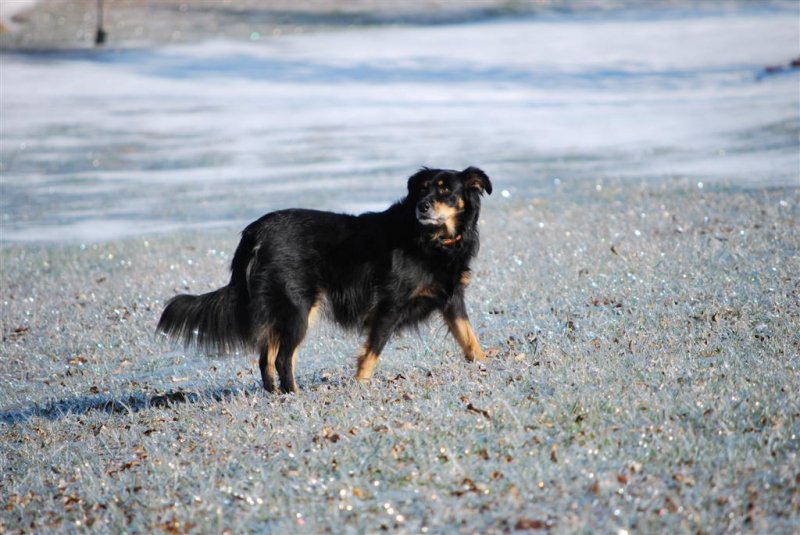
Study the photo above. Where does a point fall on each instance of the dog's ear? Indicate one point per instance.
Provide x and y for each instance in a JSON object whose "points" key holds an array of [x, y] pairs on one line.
{"points": [[419, 178], [476, 179]]}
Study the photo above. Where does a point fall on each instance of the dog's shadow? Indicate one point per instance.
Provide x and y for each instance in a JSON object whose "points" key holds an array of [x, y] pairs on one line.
{"points": [[138, 401]]}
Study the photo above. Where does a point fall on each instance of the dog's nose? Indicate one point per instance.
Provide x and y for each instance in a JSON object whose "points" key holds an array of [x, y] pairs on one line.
{"points": [[424, 206]]}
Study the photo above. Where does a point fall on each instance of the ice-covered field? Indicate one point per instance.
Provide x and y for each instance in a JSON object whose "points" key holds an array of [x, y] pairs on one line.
{"points": [[101, 144], [638, 279], [646, 380]]}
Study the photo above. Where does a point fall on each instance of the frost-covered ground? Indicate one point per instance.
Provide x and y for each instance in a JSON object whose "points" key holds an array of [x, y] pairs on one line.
{"points": [[646, 379], [638, 278]]}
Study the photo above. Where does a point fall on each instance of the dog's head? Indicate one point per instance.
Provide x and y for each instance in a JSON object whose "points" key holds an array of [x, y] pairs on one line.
{"points": [[447, 201]]}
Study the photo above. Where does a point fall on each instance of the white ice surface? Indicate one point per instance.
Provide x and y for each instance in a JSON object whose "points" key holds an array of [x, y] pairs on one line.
{"points": [[95, 145]]}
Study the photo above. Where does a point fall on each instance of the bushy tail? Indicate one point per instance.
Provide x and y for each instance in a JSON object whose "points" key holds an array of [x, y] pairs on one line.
{"points": [[214, 322]]}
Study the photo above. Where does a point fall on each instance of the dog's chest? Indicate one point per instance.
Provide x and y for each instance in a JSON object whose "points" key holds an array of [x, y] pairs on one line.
{"points": [[420, 279]]}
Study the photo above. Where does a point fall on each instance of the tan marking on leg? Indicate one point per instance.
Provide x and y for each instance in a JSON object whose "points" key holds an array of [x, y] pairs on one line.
{"points": [[366, 363], [465, 336], [466, 278], [313, 313], [271, 344], [294, 359]]}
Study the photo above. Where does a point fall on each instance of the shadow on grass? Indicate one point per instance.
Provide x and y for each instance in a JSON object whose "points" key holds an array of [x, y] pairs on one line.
{"points": [[131, 403], [136, 402]]}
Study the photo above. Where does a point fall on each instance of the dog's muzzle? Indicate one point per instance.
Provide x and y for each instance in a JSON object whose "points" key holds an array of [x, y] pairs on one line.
{"points": [[425, 214]]}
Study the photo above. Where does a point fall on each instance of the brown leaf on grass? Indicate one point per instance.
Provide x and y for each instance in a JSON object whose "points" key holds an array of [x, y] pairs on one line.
{"points": [[532, 523], [553, 456], [18, 333], [397, 449], [476, 410], [468, 485], [605, 301], [403, 425], [77, 360], [125, 466], [670, 506], [174, 527], [622, 479], [327, 434]]}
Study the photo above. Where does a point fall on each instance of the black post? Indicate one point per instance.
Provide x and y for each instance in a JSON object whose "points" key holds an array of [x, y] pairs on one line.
{"points": [[100, 38]]}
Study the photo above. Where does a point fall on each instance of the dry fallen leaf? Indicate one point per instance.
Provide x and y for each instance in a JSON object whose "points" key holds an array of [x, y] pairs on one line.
{"points": [[482, 412], [19, 332], [531, 523], [330, 434]]}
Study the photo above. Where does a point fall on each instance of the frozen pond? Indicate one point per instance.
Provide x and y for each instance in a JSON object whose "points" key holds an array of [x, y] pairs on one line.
{"points": [[101, 144]]}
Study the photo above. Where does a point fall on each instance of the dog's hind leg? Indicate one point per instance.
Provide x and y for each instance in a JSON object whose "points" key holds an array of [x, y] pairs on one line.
{"points": [[269, 345], [292, 331]]}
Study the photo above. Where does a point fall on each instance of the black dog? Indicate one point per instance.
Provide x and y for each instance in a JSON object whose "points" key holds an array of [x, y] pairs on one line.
{"points": [[379, 271]]}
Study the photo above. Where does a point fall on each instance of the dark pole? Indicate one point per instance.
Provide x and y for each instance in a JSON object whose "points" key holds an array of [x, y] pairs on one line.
{"points": [[100, 38]]}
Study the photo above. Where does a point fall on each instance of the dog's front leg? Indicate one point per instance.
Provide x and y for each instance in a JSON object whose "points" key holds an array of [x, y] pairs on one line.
{"points": [[383, 325], [455, 314]]}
